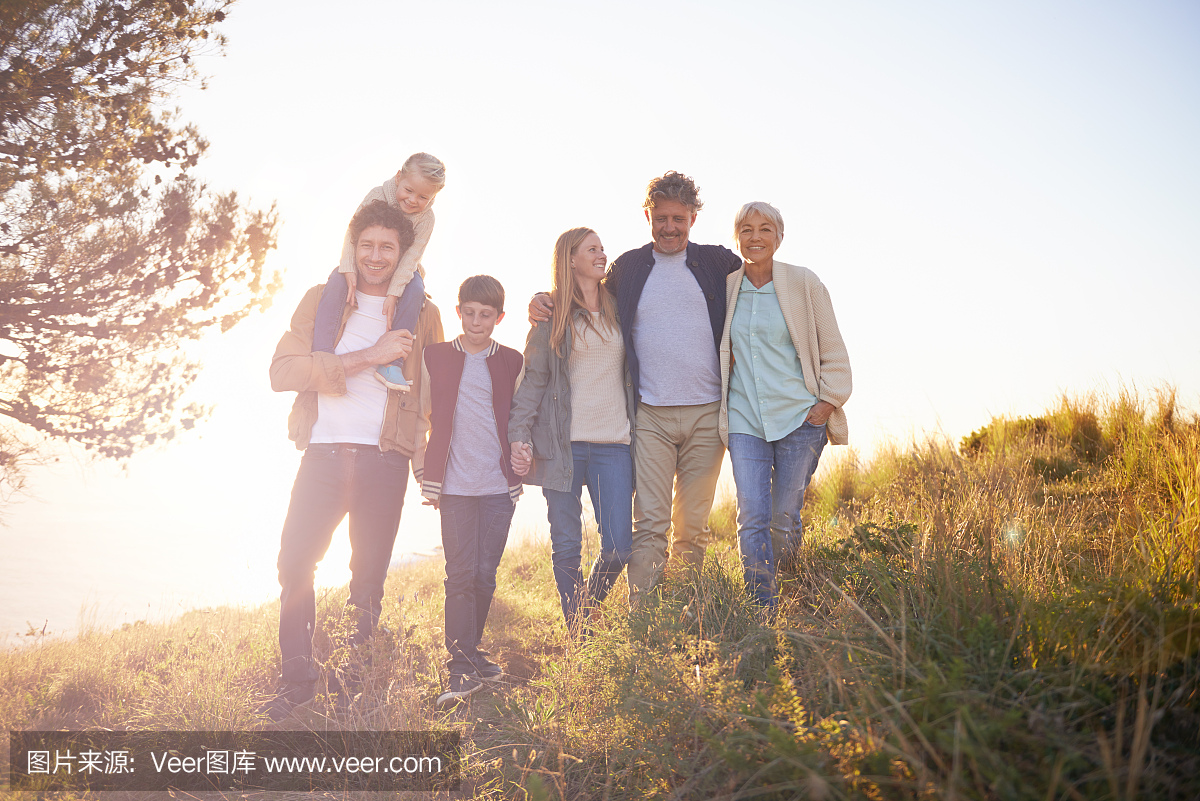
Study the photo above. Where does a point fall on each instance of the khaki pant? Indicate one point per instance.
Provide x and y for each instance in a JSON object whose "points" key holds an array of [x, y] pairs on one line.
{"points": [[680, 446]]}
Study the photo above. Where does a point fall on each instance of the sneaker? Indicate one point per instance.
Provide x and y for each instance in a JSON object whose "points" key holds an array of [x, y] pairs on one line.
{"points": [[391, 377], [486, 669], [290, 696], [461, 685]]}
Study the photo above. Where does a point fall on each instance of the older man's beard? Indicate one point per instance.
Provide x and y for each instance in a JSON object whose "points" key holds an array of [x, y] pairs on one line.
{"points": [[679, 243]]}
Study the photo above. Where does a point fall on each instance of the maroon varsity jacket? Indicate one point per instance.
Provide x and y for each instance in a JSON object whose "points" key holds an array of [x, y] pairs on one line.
{"points": [[442, 368]]}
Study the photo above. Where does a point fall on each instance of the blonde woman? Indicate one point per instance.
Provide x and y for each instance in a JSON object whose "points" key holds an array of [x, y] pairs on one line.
{"points": [[571, 423], [785, 375]]}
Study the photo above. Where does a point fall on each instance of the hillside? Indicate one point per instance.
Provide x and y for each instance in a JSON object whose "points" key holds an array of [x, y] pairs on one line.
{"points": [[1013, 616]]}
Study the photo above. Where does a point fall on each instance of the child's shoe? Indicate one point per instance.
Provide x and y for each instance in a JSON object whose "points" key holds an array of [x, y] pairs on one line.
{"points": [[460, 687], [391, 377]]}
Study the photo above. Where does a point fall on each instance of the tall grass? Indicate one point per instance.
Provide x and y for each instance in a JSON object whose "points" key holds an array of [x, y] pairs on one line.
{"points": [[1009, 617], [1012, 618]]}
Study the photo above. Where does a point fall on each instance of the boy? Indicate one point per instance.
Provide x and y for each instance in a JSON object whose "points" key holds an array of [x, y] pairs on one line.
{"points": [[461, 462]]}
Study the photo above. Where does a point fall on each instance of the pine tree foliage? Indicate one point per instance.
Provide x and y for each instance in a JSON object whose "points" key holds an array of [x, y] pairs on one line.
{"points": [[113, 255]]}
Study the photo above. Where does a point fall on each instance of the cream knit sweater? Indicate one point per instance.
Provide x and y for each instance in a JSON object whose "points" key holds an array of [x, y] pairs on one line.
{"points": [[411, 261], [596, 368], [808, 313]]}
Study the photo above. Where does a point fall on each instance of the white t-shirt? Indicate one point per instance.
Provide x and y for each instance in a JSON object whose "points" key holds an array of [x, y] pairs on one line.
{"points": [[357, 416]]}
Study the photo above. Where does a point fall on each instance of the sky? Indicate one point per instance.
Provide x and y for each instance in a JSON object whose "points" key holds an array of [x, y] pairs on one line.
{"points": [[1002, 198]]}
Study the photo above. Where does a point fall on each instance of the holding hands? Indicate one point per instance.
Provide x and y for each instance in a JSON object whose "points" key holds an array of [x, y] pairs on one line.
{"points": [[522, 458]]}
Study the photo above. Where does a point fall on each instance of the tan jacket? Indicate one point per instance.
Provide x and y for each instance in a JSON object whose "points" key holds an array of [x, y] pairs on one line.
{"points": [[296, 368], [808, 313]]}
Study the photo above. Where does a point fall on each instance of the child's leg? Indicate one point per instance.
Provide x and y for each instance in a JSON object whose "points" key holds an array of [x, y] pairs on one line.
{"points": [[495, 517], [460, 544], [408, 309], [329, 313]]}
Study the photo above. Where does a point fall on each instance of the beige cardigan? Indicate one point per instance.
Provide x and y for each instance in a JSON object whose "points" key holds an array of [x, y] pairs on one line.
{"points": [[808, 313]]}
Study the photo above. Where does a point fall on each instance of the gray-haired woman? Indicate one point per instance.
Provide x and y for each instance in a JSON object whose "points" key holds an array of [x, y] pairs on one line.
{"points": [[785, 375]]}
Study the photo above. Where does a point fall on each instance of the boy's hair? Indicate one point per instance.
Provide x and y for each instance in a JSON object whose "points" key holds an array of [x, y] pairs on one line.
{"points": [[673, 186], [482, 289], [378, 212], [428, 167]]}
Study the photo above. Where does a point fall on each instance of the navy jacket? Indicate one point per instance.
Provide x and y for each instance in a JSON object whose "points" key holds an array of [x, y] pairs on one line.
{"points": [[627, 277]]}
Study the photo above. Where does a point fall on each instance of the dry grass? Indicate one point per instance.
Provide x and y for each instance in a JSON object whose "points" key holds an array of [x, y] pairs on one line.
{"points": [[1012, 618]]}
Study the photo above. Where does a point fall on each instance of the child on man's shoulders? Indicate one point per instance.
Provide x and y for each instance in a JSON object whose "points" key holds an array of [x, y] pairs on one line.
{"points": [[412, 191]]}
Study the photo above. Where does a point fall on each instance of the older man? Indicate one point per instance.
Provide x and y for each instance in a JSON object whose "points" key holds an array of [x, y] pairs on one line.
{"points": [[671, 299], [357, 438]]}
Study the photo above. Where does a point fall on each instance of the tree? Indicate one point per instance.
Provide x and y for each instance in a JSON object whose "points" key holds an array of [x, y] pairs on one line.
{"points": [[113, 255]]}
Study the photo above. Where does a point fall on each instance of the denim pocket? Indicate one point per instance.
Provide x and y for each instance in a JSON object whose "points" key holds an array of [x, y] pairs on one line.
{"points": [[319, 451]]}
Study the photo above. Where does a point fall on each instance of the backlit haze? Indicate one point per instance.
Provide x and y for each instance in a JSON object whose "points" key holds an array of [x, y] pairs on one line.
{"points": [[1002, 198]]}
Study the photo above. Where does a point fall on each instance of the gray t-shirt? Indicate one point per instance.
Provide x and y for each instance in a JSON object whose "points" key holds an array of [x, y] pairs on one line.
{"points": [[474, 464], [677, 360]]}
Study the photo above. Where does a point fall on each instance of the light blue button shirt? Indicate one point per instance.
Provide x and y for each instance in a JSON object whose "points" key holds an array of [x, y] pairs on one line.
{"points": [[767, 395]]}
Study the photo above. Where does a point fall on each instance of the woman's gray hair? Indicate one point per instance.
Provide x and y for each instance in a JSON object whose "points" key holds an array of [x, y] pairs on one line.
{"points": [[759, 207]]}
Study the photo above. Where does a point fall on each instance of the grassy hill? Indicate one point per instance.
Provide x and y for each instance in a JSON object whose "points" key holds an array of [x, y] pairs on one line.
{"points": [[1014, 616]]}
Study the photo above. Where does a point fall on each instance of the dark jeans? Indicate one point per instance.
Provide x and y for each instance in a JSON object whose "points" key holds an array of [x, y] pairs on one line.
{"points": [[607, 470], [333, 302], [771, 478], [333, 481], [474, 533]]}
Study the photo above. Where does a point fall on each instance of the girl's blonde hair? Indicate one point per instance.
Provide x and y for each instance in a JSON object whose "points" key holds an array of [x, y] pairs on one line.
{"points": [[428, 167], [568, 297]]}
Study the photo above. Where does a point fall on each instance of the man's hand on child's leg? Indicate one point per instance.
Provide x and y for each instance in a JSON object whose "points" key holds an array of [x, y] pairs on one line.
{"points": [[351, 285]]}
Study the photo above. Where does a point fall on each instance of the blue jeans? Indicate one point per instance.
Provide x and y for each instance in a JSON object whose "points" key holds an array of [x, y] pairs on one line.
{"points": [[771, 478], [474, 533], [333, 303], [333, 481], [607, 469]]}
